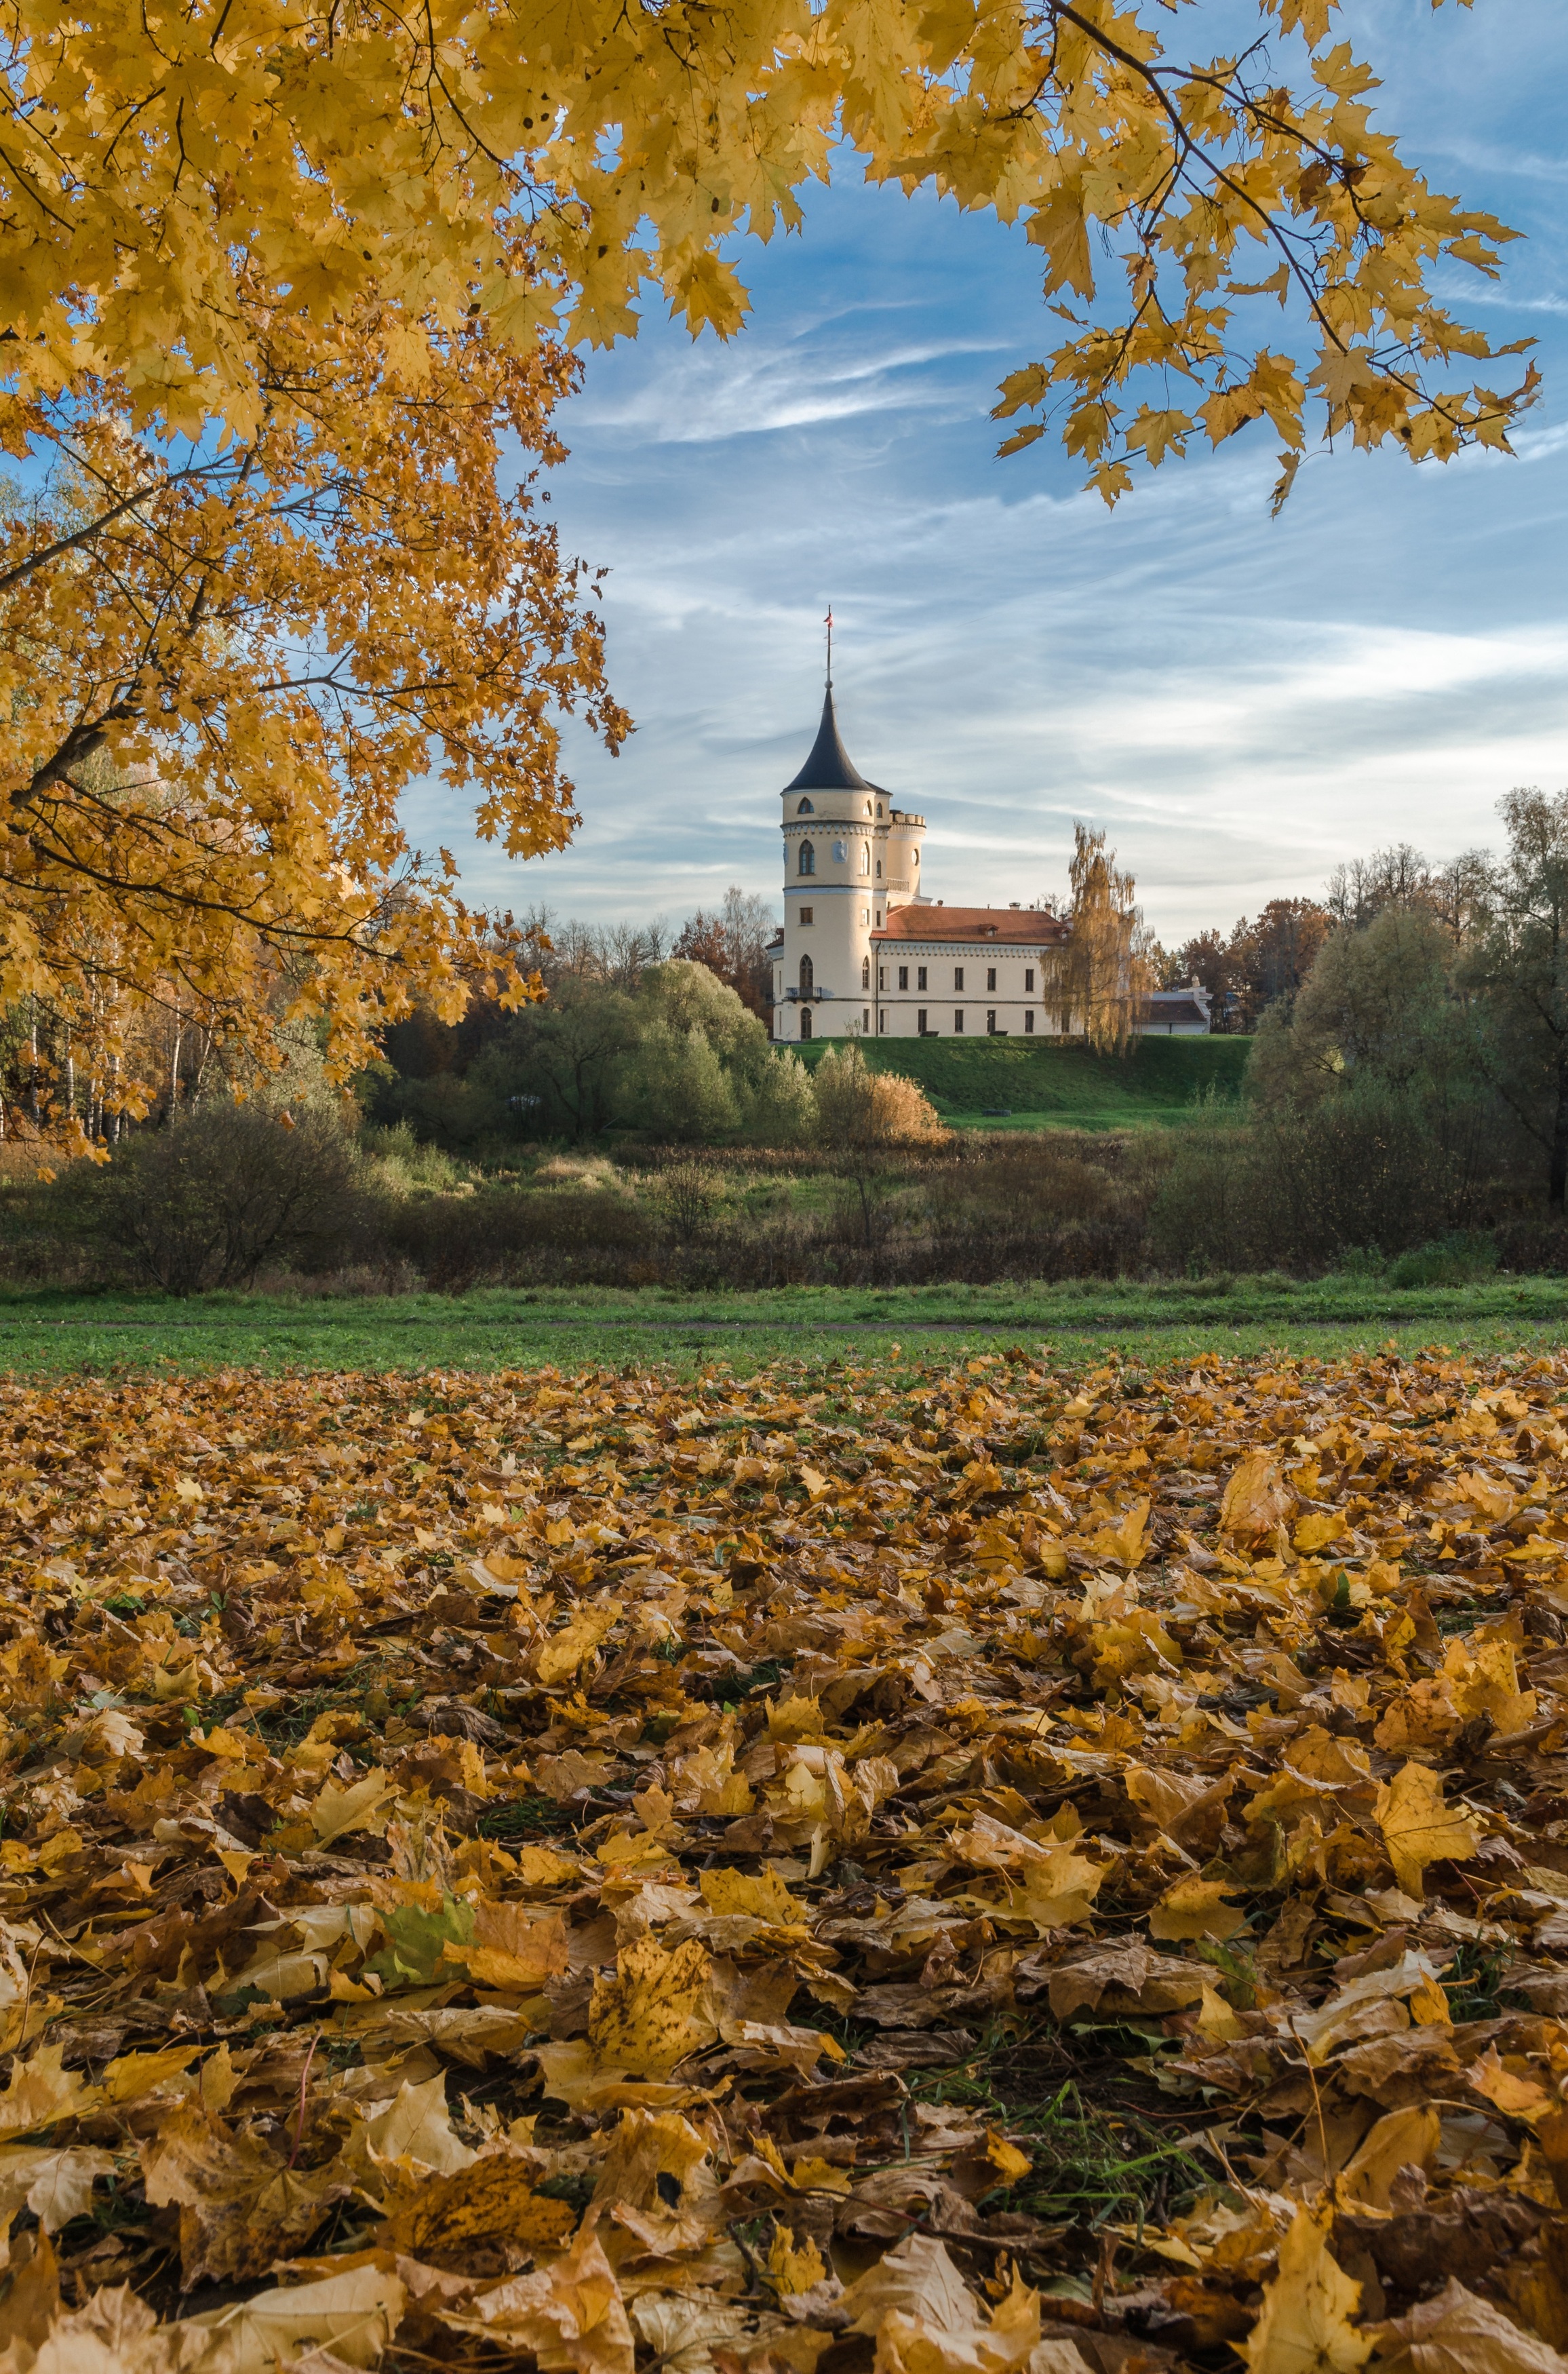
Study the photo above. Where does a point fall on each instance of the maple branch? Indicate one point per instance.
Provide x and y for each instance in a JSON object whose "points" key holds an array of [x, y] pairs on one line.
{"points": [[1191, 148], [23, 569]]}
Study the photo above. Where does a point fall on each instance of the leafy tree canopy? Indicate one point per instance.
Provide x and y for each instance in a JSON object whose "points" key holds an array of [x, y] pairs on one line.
{"points": [[178, 182]]}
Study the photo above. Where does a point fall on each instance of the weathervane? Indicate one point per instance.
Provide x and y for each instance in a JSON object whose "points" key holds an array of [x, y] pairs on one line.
{"points": [[830, 648]]}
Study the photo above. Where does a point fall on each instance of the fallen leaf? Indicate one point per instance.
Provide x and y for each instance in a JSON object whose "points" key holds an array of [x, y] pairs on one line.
{"points": [[337, 1812], [1458, 2333], [1304, 2326], [354, 2316], [56, 2185], [570, 2315], [417, 2127], [654, 2011], [1257, 1497], [491, 2200], [1417, 1827]]}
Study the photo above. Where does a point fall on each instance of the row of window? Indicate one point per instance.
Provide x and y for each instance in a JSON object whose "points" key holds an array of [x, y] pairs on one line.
{"points": [[808, 975], [922, 983], [922, 1021], [921, 971], [807, 983], [923, 1025]]}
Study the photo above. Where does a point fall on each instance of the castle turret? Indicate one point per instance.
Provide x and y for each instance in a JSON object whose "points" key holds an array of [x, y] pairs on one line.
{"points": [[850, 855]]}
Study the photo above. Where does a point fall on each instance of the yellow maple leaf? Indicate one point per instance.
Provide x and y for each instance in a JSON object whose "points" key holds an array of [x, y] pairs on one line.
{"points": [[1197, 1908], [1304, 2326], [764, 1897], [654, 2011], [1257, 1497], [1417, 1827], [794, 2266], [561, 1656]]}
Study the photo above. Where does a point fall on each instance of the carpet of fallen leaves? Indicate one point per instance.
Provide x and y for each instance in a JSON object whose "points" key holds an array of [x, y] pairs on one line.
{"points": [[953, 1874]]}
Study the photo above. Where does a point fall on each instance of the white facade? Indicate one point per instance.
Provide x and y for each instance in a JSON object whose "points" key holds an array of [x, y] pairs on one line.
{"points": [[959, 972], [864, 951]]}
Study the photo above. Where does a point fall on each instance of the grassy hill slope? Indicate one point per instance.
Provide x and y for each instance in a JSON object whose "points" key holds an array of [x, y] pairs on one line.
{"points": [[1046, 1084]]}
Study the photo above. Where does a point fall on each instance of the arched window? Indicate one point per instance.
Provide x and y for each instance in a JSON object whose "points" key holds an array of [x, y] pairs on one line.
{"points": [[865, 973], [806, 1023], [808, 858], [805, 808], [808, 977], [865, 857]]}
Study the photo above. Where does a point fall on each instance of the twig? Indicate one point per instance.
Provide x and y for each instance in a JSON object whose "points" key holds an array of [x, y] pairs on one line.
{"points": [[299, 2115]]}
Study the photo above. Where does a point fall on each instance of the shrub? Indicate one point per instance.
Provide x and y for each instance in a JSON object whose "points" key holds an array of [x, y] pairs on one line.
{"points": [[207, 1200], [495, 1235], [858, 1108], [1457, 1259], [690, 1192], [1369, 1166]]}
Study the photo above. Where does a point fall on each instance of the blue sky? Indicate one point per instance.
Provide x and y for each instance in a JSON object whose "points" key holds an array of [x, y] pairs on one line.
{"points": [[1240, 702]]}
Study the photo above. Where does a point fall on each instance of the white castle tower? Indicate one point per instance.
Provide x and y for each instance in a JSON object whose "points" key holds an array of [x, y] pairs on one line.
{"points": [[864, 950], [851, 858]]}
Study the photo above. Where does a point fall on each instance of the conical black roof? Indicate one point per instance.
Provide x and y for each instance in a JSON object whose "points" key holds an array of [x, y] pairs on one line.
{"points": [[829, 767]]}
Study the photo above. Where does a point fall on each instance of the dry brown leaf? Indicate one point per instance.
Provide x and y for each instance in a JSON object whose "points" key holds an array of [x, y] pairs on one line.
{"points": [[1458, 2333], [570, 2315], [654, 2011], [491, 2200], [352, 2316]]}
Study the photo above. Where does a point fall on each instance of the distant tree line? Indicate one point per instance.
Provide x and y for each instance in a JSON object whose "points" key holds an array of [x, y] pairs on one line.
{"points": [[1268, 956], [1414, 1074]]}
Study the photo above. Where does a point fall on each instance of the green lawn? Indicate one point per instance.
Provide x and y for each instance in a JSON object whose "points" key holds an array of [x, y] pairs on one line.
{"points": [[1044, 1084], [57, 1333]]}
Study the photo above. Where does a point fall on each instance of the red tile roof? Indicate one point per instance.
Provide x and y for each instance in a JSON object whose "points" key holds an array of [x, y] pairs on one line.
{"points": [[1028, 928]]}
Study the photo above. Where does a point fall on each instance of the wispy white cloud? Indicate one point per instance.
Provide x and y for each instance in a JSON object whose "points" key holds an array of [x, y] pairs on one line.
{"points": [[700, 397]]}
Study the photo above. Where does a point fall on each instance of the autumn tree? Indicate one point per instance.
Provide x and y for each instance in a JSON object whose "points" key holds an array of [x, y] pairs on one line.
{"points": [[1211, 960], [733, 941], [1457, 893], [1262, 960], [1377, 1005], [1518, 964], [219, 694], [1102, 972]]}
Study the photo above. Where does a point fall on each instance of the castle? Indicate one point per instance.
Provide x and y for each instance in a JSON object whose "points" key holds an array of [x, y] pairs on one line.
{"points": [[865, 950]]}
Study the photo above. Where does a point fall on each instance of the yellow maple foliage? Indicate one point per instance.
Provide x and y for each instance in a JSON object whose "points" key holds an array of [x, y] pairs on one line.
{"points": [[1305, 2327], [224, 662], [325, 164]]}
